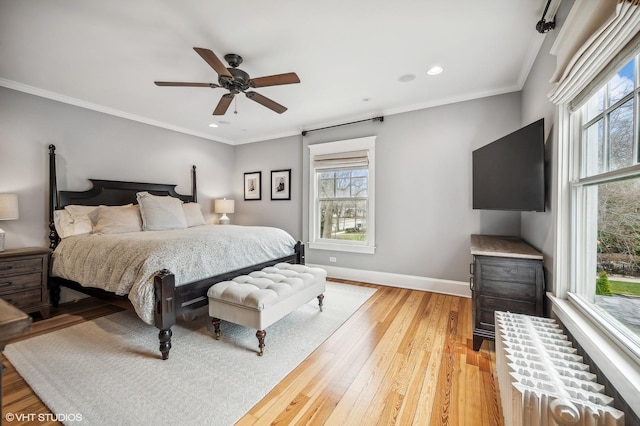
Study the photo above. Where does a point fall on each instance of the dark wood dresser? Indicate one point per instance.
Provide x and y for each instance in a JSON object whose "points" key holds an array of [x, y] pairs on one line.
{"points": [[23, 279], [506, 275]]}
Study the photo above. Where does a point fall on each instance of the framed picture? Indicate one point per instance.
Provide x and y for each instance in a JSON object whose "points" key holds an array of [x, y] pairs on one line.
{"points": [[281, 184], [253, 186]]}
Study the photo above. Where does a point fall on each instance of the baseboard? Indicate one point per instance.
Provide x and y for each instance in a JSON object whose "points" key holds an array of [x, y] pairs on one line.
{"points": [[413, 282]]}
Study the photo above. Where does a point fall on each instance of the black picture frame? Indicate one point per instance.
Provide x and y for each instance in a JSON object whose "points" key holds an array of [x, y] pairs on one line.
{"points": [[253, 186], [281, 184]]}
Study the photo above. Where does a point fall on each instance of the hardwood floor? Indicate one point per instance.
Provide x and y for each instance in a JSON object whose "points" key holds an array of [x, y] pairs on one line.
{"points": [[405, 357]]}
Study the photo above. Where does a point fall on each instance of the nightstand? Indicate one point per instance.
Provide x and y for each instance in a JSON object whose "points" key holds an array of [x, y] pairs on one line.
{"points": [[23, 279]]}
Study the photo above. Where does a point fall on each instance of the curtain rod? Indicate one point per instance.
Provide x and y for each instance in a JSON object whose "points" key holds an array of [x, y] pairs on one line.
{"points": [[374, 119]]}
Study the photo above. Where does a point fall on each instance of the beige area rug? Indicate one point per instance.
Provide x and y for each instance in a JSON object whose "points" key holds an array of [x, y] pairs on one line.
{"points": [[108, 371]]}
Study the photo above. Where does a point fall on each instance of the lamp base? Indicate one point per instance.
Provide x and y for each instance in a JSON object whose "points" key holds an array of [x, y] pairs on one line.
{"points": [[224, 219], [1, 240]]}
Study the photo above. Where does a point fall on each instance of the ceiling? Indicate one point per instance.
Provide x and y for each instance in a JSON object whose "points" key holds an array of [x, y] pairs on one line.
{"points": [[350, 56]]}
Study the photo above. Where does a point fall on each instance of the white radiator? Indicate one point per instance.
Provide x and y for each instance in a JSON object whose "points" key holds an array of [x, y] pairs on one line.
{"points": [[541, 379]]}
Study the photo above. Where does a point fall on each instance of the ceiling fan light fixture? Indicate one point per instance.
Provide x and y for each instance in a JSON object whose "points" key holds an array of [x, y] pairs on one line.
{"points": [[435, 70], [213, 125]]}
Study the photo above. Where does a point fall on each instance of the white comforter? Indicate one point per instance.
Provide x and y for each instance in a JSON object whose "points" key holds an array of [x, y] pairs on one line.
{"points": [[126, 263]]}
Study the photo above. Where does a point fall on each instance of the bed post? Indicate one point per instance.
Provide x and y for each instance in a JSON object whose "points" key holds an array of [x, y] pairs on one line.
{"points": [[164, 311], [194, 189], [54, 197], [54, 202], [299, 250]]}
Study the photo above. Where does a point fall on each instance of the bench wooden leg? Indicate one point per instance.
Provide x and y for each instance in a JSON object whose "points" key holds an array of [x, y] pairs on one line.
{"points": [[320, 299], [216, 327], [260, 335]]}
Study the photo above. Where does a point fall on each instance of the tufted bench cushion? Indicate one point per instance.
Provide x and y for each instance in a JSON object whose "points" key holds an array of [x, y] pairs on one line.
{"points": [[263, 297]]}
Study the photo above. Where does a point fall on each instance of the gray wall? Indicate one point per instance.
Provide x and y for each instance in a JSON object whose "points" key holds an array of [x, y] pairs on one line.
{"points": [[276, 154], [423, 175], [538, 228], [94, 145]]}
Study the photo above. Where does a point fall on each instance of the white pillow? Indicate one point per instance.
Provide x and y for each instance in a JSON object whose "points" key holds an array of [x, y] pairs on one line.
{"points": [[193, 214], [116, 219], [80, 218], [63, 223], [160, 213]]}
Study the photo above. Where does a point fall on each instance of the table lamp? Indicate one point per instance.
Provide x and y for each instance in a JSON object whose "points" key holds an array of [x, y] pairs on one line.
{"points": [[8, 211], [224, 206]]}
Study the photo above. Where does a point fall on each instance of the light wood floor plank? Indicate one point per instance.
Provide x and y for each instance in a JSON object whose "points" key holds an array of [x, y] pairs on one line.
{"points": [[405, 357]]}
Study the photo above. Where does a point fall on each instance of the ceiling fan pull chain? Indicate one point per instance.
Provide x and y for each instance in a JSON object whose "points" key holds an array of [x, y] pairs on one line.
{"points": [[235, 105]]}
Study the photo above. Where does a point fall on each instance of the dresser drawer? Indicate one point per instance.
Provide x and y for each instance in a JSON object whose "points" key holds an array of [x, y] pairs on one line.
{"points": [[20, 282], [509, 271], [20, 266], [515, 291], [24, 299]]}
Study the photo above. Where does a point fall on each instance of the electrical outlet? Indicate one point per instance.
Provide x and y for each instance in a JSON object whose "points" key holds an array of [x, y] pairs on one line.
{"points": [[332, 259]]}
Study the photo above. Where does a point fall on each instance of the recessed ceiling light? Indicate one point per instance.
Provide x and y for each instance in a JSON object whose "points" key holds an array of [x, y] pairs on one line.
{"points": [[406, 78], [435, 70], [213, 125]]}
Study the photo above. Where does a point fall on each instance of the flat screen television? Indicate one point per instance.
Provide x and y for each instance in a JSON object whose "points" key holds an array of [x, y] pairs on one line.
{"points": [[508, 174]]}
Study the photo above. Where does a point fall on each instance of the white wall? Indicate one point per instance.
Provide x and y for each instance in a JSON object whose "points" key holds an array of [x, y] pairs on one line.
{"points": [[94, 145]]}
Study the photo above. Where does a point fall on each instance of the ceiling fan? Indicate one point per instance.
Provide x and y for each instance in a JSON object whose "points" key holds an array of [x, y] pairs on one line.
{"points": [[235, 81]]}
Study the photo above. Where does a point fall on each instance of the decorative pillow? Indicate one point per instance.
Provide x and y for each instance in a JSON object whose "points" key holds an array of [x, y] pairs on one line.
{"points": [[116, 219], [80, 218], [63, 223], [193, 214], [160, 213]]}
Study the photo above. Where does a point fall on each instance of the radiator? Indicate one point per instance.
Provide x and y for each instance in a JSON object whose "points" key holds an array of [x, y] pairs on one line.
{"points": [[542, 380]]}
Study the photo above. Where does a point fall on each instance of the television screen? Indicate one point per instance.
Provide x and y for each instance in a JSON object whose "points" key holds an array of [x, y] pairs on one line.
{"points": [[508, 174]]}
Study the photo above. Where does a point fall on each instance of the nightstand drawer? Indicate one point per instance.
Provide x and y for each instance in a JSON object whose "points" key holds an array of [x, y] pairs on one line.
{"points": [[24, 299], [20, 282], [20, 266]]}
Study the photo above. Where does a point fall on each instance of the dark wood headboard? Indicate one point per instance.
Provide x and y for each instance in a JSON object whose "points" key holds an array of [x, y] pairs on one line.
{"points": [[105, 192]]}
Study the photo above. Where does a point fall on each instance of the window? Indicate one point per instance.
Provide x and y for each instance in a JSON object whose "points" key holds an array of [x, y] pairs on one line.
{"points": [[606, 214], [342, 183]]}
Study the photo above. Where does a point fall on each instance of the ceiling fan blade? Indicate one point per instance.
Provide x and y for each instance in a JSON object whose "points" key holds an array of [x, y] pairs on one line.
{"points": [[176, 83], [214, 62], [275, 80], [223, 105], [264, 101]]}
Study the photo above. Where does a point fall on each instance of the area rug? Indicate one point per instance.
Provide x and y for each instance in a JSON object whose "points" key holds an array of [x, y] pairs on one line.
{"points": [[108, 371]]}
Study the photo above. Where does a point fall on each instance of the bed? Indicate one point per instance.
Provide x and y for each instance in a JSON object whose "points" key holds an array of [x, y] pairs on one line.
{"points": [[172, 278]]}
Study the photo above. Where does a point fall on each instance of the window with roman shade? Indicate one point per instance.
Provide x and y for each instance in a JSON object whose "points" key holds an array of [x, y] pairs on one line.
{"points": [[342, 195]]}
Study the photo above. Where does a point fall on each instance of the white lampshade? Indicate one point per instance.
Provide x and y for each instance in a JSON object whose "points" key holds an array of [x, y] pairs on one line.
{"points": [[224, 206], [8, 211], [9, 207]]}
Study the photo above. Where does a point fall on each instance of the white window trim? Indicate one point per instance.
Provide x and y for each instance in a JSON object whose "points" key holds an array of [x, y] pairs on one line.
{"points": [[612, 357], [368, 247]]}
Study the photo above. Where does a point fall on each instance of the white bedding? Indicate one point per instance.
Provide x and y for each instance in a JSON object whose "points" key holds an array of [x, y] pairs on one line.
{"points": [[126, 263]]}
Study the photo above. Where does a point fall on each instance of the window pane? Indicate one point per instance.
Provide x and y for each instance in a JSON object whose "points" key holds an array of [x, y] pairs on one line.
{"points": [[621, 136], [594, 149], [343, 220], [595, 105], [617, 289], [622, 83]]}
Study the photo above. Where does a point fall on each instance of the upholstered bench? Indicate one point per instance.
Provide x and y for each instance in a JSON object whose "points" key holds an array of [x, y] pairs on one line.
{"points": [[263, 297]]}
